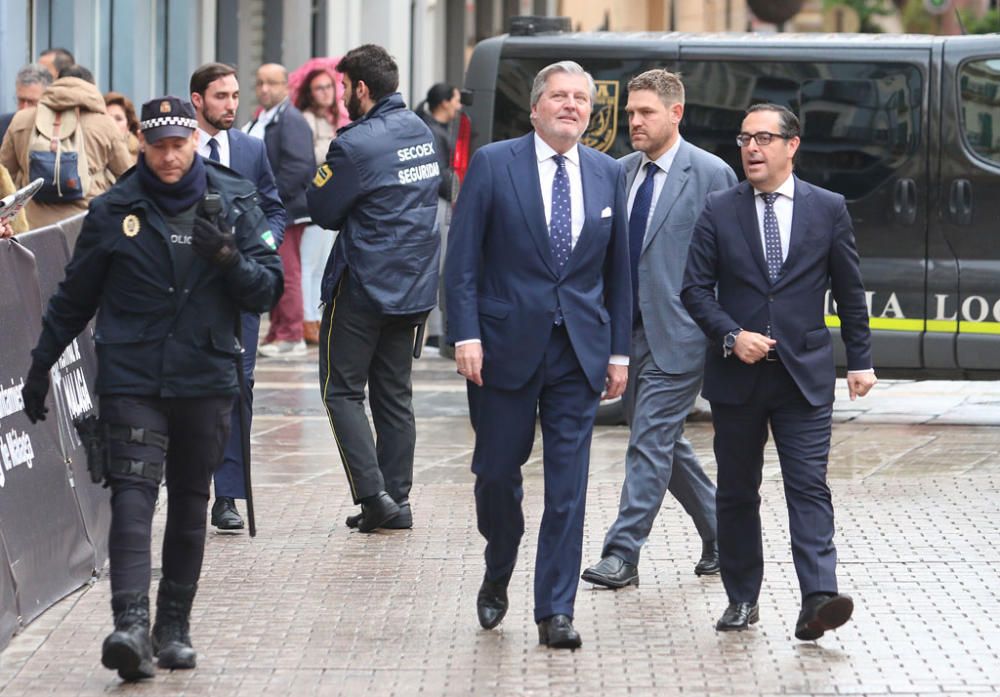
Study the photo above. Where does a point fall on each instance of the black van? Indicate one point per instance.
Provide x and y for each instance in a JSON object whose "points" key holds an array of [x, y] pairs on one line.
{"points": [[907, 128]]}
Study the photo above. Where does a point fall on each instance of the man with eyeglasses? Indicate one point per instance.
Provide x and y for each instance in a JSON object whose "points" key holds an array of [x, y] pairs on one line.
{"points": [[761, 258]]}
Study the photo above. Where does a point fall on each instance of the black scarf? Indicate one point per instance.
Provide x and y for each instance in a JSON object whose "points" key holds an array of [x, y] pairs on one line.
{"points": [[171, 199]]}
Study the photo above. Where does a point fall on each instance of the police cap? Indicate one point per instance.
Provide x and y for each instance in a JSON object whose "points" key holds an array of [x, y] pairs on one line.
{"points": [[168, 116]]}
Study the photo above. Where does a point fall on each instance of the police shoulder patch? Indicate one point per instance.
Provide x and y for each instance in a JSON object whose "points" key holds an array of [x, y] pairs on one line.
{"points": [[323, 175], [268, 239]]}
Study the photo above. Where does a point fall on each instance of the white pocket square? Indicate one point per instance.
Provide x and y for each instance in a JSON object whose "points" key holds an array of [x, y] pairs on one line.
{"points": [[606, 213]]}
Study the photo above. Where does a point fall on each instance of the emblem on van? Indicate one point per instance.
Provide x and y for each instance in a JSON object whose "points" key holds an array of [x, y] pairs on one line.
{"points": [[604, 121]]}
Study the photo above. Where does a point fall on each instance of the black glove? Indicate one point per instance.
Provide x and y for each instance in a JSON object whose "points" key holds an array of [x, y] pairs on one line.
{"points": [[218, 246], [36, 386]]}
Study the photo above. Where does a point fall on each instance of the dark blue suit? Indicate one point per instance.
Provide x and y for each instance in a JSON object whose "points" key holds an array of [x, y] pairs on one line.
{"points": [[503, 288], [794, 393], [248, 158]]}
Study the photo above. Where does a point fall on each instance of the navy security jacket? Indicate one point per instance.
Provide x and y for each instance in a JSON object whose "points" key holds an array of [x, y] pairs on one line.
{"points": [[379, 187], [159, 335]]}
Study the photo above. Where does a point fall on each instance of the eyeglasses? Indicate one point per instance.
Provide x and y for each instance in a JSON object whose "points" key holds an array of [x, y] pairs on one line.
{"points": [[323, 88], [762, 138]]}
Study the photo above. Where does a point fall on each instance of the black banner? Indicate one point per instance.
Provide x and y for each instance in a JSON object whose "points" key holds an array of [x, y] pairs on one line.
{"points": [[53, 520]]}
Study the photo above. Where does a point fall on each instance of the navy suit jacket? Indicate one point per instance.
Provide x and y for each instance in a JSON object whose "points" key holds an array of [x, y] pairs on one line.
{"points": [[248, 158], [726, 287], [500, 276]]}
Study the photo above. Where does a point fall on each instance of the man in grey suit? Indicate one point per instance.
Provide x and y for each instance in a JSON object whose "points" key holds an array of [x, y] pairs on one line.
{"points": [[667, 181]]}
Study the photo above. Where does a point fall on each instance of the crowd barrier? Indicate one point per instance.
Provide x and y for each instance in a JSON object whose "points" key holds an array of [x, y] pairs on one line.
{"points": [[53, 520]]}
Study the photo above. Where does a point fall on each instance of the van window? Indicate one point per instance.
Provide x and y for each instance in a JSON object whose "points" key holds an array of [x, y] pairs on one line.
{"points": [[608, 131], [980, 95], [860, 122]]}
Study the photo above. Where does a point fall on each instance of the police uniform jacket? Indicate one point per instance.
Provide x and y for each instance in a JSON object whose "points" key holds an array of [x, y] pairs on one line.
{"points": [[379, 187], [157, 334]]}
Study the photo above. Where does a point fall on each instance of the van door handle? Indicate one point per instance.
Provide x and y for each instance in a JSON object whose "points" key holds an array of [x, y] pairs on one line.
{"points": [[960, 202], [904, 201]]}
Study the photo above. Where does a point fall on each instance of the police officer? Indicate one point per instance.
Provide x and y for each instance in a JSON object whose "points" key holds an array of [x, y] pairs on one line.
{"points": [[167, 258], [379, 187]]}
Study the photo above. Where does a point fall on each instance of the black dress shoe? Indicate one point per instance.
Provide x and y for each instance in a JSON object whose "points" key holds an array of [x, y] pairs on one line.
{"points": [[224, 514], [612, 572], [491, 603], [404, 521], [377, 511], [820, 612], [557, 632], [709, 562], [738, 617]]}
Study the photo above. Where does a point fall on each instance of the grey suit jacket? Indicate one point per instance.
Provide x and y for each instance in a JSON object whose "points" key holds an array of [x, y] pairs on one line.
{"points": [[676, 342]]}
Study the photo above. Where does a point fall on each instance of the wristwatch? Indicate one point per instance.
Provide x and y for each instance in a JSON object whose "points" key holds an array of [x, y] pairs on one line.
{"points": [[728, 342]]}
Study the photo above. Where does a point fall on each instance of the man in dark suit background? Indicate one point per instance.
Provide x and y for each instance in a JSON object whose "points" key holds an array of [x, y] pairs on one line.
{"points": [[215, 94], [538, 301], [667, 179], [761, 259]]}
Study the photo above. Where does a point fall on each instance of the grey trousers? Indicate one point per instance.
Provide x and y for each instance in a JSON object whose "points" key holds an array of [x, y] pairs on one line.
{"points": [[659, 457]]}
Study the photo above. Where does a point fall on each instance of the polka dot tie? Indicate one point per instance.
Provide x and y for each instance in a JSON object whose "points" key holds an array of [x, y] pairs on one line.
{"points": [[560, 228], [772, 238]]}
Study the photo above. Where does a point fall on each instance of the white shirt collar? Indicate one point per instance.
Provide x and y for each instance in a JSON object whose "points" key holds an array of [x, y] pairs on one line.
{"points": [[665, 161], [543, 151], [787, 188], [204, 137]]}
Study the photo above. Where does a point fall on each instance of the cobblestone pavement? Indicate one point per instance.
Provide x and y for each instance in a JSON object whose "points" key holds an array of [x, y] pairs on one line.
{"points": [[311, 608]]}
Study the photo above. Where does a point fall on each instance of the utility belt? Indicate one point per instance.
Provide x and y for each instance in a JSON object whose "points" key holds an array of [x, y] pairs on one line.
{"points": [[97, 437]]}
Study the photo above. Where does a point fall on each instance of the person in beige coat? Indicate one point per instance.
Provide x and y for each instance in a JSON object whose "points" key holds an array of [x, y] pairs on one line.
{"points": [[106, 150], [20, 223]]}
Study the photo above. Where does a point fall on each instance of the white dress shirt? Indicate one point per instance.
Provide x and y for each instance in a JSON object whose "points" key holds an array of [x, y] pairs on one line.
{"points": [[257, 130], [784, 206], [546, 175], [222, 138], [663, 164]]}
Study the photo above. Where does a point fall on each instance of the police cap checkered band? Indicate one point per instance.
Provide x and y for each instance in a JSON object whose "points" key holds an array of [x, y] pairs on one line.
{"points": [[167, 117]]}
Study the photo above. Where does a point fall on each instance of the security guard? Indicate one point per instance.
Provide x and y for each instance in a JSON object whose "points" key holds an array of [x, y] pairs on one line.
{"points": [[378, 186], [167, 258]]}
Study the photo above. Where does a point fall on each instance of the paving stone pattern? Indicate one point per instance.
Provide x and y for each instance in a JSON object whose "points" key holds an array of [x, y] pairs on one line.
{"points": [[311, 608]]}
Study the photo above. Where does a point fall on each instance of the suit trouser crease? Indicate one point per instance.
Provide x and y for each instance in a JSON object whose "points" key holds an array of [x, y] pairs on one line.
{"points": [[360, 347], [228, 477], [802, 438], [505, 429], [659, 458], [197, 429]]}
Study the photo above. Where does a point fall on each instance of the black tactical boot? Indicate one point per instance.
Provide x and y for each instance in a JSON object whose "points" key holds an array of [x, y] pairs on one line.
{"points": [[127, 649], [171, 641]]}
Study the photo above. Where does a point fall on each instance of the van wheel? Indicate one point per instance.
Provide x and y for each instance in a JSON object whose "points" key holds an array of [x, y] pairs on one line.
{"points": [[611, 413]]}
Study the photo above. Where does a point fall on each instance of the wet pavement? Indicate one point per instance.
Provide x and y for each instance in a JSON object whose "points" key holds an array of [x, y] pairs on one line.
{"points": [[309, 607]]}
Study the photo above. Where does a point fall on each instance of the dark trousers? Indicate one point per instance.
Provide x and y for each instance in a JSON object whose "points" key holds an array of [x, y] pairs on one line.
{"points": [[802, 437], [504, 421], [229, 477], [359, 346], [197, 429]]}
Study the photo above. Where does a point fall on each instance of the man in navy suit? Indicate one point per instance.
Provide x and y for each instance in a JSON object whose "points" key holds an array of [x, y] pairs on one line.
{"points": [[539, 310], [215, 94], [761, 259]]}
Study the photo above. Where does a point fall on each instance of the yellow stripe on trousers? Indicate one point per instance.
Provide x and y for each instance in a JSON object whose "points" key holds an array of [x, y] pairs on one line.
{"points": [[326, 388]]}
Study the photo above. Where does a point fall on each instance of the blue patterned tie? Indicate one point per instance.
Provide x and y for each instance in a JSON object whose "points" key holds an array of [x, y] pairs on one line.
{"points": [[213, 150], [772, 238], [637, 221], [560, 222]]}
